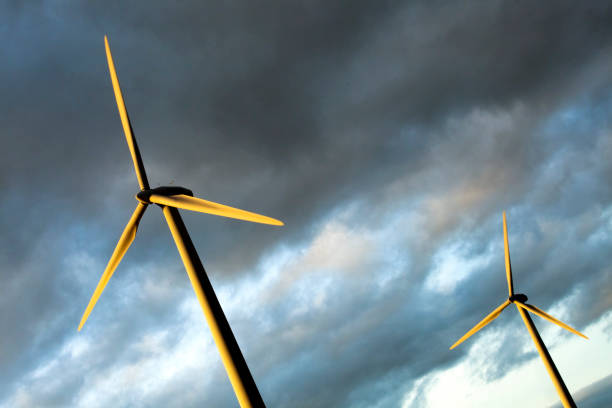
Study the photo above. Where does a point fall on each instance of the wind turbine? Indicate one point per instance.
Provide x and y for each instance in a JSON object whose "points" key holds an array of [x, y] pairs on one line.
{"points": [[519, 300], [170, 199]]}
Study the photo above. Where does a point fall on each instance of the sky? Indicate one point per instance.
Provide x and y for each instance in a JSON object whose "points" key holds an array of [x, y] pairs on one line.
{"points": [[388, 136]]}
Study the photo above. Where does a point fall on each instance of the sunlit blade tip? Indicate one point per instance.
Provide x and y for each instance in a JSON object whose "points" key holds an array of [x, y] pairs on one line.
{"points": [[507, 258], [83, 320], [551, 319], [277, 222], [186, 202]]}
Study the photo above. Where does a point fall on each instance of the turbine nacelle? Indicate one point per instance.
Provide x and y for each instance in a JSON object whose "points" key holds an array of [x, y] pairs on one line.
{"points": [[144, 195], [518, 297]]}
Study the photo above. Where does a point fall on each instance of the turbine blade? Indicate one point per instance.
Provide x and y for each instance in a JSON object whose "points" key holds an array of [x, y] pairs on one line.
{"points": [[122, 246], [507, 258], [492, 316], [125, 121], [548, 317], [197, 204]]}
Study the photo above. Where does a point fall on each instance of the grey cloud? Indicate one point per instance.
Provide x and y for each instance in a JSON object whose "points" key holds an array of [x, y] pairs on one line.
{"points": [[596, 395]]}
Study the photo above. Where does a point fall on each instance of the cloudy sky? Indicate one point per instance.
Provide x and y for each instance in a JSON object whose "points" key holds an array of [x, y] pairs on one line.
{"points": [[389, 137]]}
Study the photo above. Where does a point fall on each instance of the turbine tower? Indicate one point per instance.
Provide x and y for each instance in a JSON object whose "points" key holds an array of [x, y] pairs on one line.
{"points": [[519, 300], [170, 199]]}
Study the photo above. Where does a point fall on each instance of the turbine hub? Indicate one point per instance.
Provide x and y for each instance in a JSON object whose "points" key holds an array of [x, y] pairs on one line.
{"points": [[518, 296], [143, 196]]}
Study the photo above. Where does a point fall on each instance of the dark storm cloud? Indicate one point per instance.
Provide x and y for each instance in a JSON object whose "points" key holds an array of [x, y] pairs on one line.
{"points": [[296, 110]]}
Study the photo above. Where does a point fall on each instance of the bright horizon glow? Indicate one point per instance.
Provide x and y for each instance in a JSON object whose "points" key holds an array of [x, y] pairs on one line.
{"points": [[528, 385]]}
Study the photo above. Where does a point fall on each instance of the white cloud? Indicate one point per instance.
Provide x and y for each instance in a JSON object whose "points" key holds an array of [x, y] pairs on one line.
{"points": [[450, 267]]}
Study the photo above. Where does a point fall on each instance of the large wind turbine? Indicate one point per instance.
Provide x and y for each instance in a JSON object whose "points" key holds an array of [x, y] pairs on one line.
{"points": [[519, 300], [170, 199]]}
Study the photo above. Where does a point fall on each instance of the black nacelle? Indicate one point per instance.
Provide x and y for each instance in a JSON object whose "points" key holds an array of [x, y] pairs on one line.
{"points": [[144, 195], [518, 296]]}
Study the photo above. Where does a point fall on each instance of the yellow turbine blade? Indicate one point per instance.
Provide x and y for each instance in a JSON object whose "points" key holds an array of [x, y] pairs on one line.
{"points": [[492, 316], [122, 246], [507, 258], [197, 204], [125, 121], [548, 317]]}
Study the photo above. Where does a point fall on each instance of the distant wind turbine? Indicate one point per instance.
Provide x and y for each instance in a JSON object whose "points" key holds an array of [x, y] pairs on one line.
{"points": [[170, 199], [519, 300]]}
